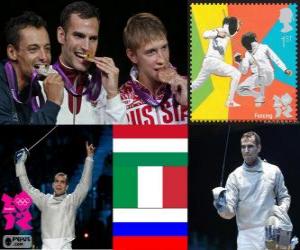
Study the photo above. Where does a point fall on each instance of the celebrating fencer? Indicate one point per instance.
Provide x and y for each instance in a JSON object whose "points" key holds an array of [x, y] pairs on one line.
{"points": [[213, 62], [256, 194], [259, 58], [58, 210]]}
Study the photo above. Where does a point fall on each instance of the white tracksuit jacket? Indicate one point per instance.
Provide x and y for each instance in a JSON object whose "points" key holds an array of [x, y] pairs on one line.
{"points": [[58, 214]]}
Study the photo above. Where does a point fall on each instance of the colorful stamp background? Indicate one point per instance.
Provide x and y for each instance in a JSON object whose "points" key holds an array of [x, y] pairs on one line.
{"points": [[207, 102]]}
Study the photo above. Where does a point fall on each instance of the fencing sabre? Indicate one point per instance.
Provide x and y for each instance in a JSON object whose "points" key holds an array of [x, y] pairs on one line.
{"points": [[225, 155], [42, 138]]}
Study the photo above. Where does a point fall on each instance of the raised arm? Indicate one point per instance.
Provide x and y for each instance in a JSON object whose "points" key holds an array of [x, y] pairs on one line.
{"points": [[35, 194], [211, 34], [83, 186]]}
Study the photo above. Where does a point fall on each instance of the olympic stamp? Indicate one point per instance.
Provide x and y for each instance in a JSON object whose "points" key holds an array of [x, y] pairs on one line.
{"points": [[243, 62]]}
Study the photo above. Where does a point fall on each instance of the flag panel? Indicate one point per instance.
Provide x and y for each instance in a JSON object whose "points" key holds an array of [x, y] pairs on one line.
{"points": [[150, 229], [125, 187], [150, 215], [157, 131], [150, 243], [174, 187], [150, 185]]}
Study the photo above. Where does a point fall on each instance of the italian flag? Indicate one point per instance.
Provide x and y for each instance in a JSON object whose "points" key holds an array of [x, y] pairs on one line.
{"points": [[150, 187]]}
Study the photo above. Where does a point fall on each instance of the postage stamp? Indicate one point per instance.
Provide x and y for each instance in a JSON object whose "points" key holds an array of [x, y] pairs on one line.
{"points": [[243, 60]]}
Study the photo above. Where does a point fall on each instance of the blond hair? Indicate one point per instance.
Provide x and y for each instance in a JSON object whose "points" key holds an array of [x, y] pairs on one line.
{"points": [[141, 29]]}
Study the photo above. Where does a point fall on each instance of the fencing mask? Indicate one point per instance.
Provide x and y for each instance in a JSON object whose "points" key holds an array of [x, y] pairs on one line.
{"points": [[278, 230], [233, 25], [247, 39]]}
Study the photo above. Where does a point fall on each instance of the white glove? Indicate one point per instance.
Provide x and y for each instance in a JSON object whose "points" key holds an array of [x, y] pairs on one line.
{"points": [[219, 198], [21, 155], [217, 191]]}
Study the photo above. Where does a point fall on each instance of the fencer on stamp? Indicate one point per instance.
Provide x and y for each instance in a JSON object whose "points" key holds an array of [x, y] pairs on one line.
{"points": [[243, 60]]}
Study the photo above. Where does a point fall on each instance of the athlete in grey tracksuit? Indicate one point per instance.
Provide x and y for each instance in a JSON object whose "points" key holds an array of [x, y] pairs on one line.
{"points": [[252, 193], [58, 210]]}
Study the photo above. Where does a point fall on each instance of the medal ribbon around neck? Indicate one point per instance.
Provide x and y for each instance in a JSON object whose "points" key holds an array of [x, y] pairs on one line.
{"points": [[13, 87], [148, 98], [93, 87]]}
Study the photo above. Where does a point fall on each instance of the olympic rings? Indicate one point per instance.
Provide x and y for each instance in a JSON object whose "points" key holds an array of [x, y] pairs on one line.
{"points": [[22, 201]]}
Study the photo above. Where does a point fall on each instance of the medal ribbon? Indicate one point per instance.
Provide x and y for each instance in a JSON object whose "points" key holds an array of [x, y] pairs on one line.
{"points": [[93, 87], [13, 87]]}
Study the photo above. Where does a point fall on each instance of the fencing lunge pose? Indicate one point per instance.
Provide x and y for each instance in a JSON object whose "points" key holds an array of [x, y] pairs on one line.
{"points": [[213, 62], [58, 210], [256, 194], [259, 58]]}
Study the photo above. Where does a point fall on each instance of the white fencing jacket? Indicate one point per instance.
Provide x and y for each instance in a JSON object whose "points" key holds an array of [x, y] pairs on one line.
{"points": [[260, 60], [57, 213], [252, 192], [217, 45]]}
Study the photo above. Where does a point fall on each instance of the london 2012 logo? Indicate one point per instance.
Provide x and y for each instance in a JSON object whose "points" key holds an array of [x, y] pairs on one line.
{"points": [[16, 213]]}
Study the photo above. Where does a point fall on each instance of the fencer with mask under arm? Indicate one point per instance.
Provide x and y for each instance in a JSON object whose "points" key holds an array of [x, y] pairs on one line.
{"points": [[254, 192]]}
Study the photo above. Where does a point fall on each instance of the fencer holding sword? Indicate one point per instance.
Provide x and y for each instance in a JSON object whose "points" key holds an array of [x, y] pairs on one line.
{"points": [[256, 194], [258, 58], [213, 62], [58, 210]]}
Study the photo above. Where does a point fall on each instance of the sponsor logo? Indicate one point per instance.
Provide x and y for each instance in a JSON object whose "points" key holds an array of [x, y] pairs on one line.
{"points": [[17, 241]]}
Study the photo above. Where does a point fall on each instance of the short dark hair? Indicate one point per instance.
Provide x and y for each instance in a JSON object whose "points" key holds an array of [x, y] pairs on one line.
{"points": [[64, 175], [252, 134], [16, 24], [84, 10], [142, 28]]}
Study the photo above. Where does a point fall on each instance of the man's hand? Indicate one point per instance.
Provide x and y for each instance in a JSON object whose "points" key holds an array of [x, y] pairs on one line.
{"points": [[54, 88], [178, 84], [21, 155], [90, 150], [288, 72], [179, 90], [219, 197], [109, 75]]}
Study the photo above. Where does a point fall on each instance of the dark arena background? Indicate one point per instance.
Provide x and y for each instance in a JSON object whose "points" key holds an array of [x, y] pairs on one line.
{"points": [[62, 151], [280, 146], [114, 15]]}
